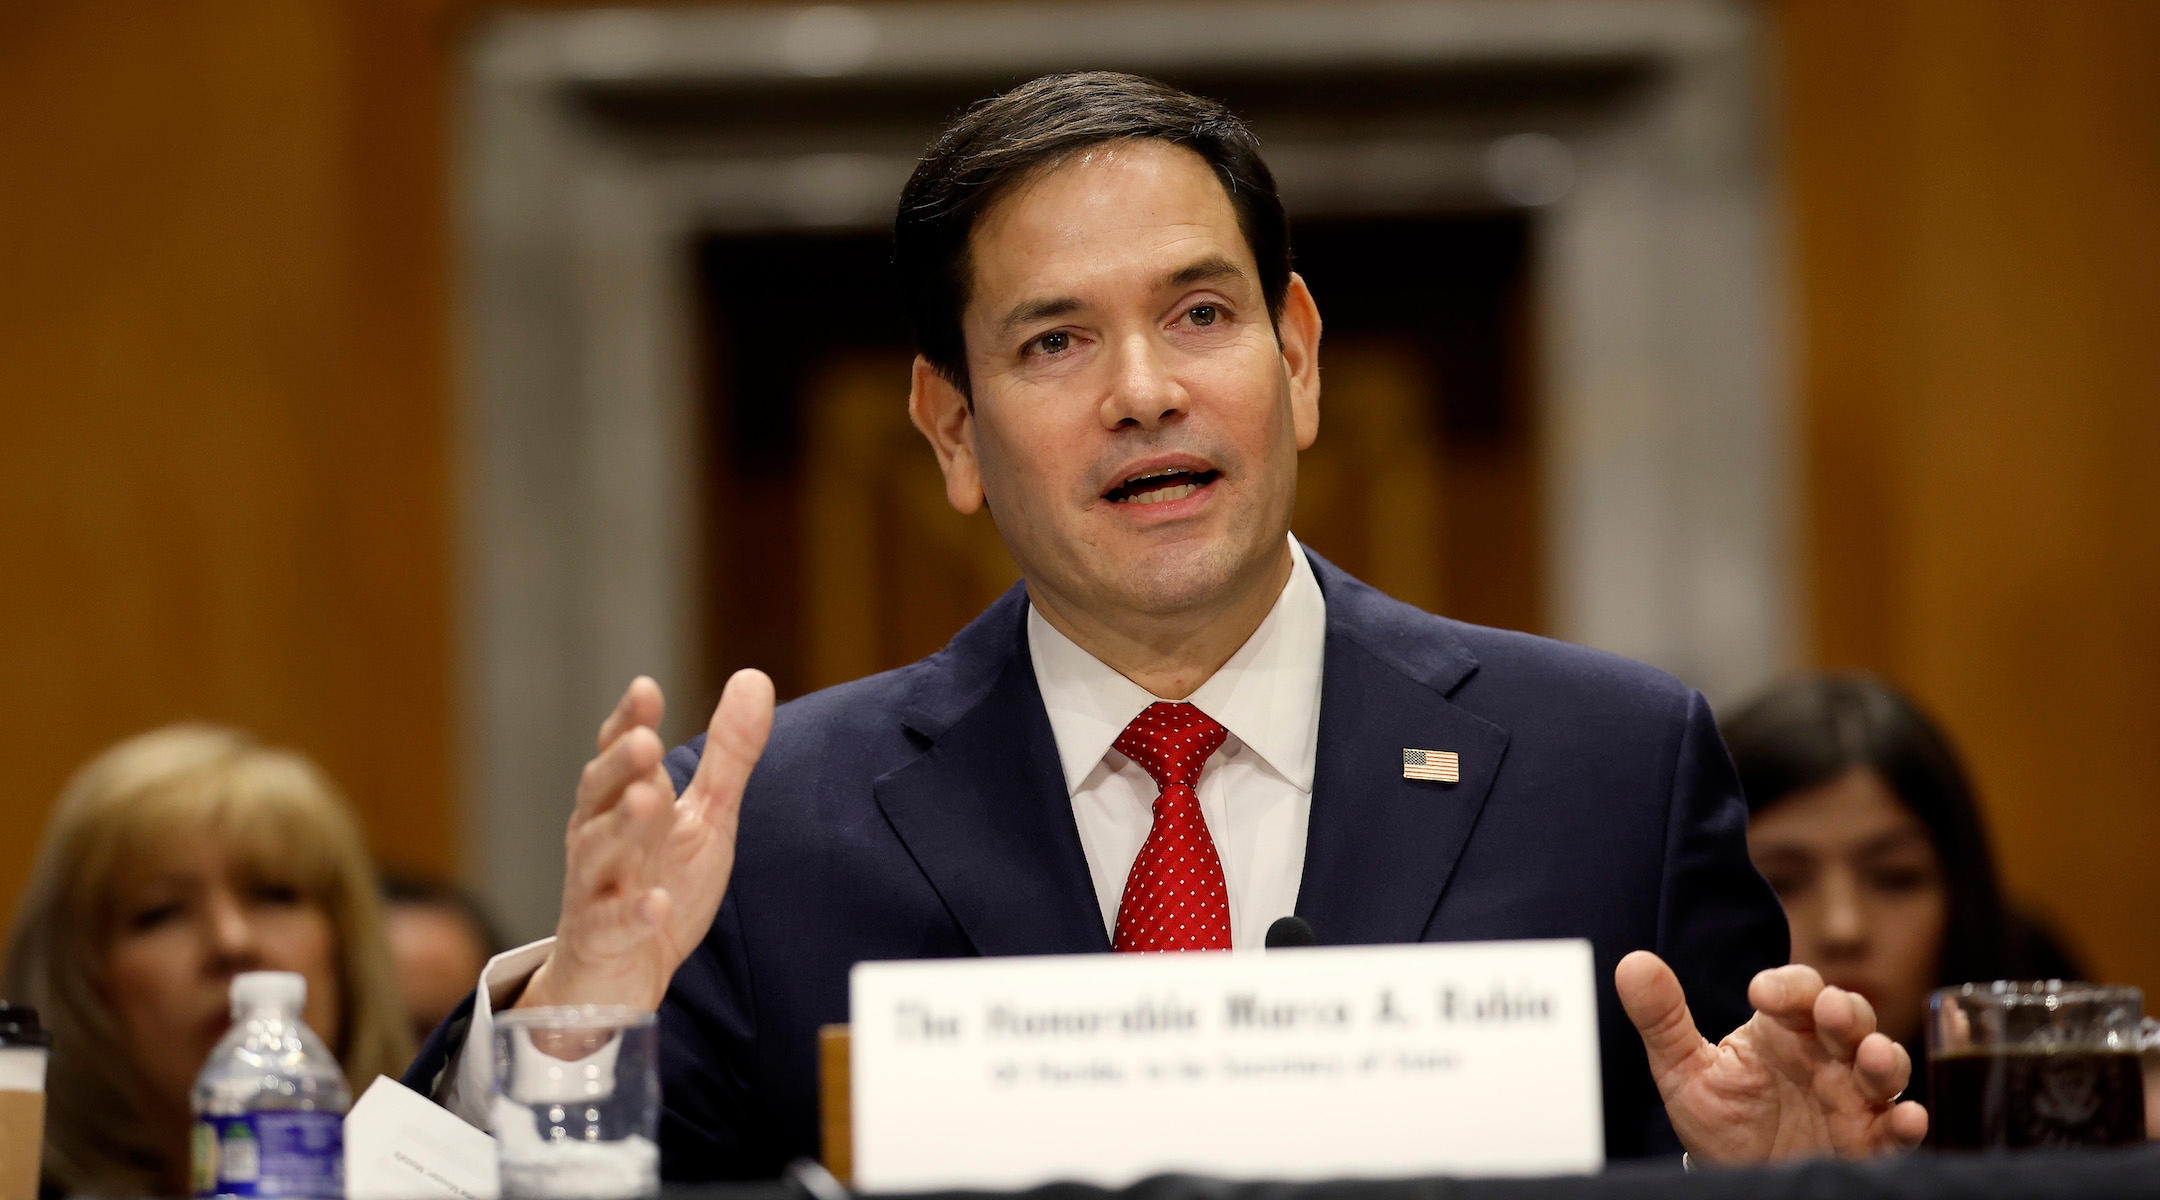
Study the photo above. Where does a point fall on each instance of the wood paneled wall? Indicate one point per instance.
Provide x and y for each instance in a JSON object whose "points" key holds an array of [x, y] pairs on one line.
{"points": [[223, 395], [224, 419], [1975, 190]]}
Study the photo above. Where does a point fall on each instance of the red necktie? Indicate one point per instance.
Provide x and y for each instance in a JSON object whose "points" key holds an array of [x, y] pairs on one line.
{"points": [[1175, 898]]}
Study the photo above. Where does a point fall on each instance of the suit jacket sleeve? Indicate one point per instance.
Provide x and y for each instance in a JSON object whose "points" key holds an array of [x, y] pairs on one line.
{"points": [[425, 1074], [713, 1124], [1718, 921]]}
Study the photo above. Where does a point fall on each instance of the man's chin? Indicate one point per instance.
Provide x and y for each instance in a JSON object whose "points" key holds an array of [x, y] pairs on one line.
{"points": [[1168, 580]]}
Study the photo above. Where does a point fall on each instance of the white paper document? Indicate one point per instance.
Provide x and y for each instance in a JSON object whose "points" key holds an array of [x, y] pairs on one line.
{"points": [[399, 1145], [1466, 1059]]}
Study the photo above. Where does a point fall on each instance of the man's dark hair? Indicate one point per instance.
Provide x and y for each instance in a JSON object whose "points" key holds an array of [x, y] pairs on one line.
{"points": [[1006, 139]]}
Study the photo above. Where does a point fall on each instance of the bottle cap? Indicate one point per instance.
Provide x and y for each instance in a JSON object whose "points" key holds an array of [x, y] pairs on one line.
{"points": [[285, 991], [19, 1027]]}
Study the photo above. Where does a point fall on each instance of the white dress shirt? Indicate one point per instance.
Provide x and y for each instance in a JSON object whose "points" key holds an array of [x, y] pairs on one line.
{"points": [[1255, 790]]}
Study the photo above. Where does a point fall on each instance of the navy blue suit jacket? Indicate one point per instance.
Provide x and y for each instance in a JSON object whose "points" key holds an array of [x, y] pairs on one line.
{"points": [[922, 813]]}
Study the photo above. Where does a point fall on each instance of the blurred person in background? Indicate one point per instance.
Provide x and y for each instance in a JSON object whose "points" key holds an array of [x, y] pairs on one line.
{"points": [[174, 861], [440, 938], [1862, 819]]}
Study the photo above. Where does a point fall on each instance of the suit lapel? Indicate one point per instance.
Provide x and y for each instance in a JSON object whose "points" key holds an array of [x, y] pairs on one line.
{"points": [[1380, 848], [984, 810]]}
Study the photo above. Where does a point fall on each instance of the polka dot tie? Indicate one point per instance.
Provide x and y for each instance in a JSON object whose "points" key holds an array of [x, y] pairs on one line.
{"points": [[1175, 898]]}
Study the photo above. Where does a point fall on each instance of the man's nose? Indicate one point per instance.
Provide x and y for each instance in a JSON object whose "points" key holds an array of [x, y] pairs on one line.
{"points": [[1142, 392]]}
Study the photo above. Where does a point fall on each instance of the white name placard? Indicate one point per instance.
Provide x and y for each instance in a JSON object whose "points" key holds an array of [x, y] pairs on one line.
{"points": [[1468, 1059]]}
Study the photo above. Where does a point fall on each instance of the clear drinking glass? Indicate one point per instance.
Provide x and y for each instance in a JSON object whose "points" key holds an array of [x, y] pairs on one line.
{"points": [[577, 1102], [2014, 1066]]}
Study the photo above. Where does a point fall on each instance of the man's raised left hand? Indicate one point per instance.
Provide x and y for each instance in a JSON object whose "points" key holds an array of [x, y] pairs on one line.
{"points": [[1807, 1075]]}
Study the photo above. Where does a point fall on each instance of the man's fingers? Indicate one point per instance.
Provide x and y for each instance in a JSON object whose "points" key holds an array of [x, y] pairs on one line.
{"points": [[613, 847], [630, 758], [1881, 1068], [641, 704], [1786, 994], [1843, 1021], [658, 906], [740, 724], [1654, 1001], [1907, 1124]]}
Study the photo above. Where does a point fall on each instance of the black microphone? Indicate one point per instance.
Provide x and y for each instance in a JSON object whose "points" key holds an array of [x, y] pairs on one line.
{"points": [[1291, 931]]}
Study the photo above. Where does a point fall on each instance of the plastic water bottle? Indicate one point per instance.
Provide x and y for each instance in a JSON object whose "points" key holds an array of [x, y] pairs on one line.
{"points": [[270, 1104]]}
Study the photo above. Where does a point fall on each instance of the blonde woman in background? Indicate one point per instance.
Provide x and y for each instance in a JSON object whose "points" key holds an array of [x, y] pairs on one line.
{"points": [[174, 861]]}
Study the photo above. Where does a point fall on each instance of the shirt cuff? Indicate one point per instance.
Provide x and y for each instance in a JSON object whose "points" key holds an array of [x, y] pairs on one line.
{"points": [[470, 1076]]}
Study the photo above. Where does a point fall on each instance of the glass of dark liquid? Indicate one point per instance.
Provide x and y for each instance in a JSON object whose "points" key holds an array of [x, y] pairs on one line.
{"points": [[2017, 1066]]}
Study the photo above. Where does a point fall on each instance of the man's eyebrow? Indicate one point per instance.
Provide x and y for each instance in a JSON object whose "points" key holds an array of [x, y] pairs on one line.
{"points": [[1028, 312], [1212, 269]]}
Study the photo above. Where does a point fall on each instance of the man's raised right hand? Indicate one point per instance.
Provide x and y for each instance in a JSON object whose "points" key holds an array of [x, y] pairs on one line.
{"points": [[644, 869]]}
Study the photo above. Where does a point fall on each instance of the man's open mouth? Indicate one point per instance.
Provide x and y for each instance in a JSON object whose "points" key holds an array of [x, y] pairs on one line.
{"points": [[1155, 487]]}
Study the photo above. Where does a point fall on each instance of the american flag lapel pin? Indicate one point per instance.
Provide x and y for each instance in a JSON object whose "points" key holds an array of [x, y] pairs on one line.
{"points": [[1439, 766]]}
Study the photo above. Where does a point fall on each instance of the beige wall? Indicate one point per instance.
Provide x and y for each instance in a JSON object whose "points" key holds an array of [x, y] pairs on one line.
{"points": [[1975, 192], [224, 471]]}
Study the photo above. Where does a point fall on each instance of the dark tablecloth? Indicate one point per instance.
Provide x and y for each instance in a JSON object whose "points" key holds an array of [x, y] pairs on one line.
{"points": [[2108, 1173]]}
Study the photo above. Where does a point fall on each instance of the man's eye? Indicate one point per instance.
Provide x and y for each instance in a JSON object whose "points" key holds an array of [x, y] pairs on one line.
{"points": [[1203, 314], [1057, 341]]}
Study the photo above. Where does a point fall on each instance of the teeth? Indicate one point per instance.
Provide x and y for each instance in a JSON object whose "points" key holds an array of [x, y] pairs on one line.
{"points": [[1159, 495]]}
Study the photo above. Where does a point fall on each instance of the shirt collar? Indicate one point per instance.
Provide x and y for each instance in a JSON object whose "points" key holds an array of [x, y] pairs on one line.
{"points": [[1267, 695]]}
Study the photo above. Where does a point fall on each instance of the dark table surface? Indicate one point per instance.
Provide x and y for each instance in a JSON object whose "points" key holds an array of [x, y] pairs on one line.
{"points": [[2098, 1173]]}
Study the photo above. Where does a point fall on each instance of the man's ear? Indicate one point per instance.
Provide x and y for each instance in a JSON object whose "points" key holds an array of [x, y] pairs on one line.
{"points": [[948, 424], [1298, 332]]}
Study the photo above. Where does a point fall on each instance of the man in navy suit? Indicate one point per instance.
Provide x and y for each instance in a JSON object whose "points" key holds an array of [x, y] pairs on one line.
{"points": [[1180, 726]]}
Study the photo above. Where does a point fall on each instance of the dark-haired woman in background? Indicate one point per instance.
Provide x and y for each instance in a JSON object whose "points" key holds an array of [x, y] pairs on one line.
{"points": [[1862, 819]]}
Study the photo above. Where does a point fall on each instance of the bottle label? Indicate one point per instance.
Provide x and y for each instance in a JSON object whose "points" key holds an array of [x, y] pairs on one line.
{"points": [[280, 1153]]}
